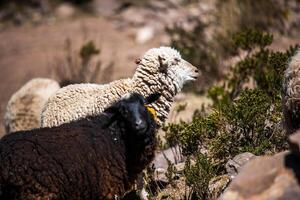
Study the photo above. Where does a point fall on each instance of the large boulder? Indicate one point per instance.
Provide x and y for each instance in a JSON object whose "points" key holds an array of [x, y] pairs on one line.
{"points": [[270, 177], [267, 178]]}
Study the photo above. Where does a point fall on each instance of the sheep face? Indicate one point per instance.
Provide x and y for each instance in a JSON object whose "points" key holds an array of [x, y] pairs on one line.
{"points": [[166, 63], [132, 111], [183, 70]]}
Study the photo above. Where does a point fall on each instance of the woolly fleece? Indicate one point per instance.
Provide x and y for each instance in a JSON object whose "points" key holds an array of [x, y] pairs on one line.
{"points": [[291, 95]]}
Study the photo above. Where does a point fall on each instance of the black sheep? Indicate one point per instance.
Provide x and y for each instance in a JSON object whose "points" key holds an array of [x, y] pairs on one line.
{"points": [[94, 158]]}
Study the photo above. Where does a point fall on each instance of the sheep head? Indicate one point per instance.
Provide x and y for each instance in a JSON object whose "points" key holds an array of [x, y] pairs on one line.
{"points": [[165, 63], [132, 111]]}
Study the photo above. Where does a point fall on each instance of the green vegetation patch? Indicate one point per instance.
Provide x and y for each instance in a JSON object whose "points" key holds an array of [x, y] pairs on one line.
{"points": [[245, 115]]}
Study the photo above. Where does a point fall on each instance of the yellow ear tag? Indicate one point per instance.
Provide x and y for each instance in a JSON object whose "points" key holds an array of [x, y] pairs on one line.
{"points": [[152, 111]]}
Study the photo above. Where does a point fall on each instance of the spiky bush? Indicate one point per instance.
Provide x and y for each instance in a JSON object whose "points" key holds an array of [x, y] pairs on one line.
{"points": [[246, 112], [199, 175]]}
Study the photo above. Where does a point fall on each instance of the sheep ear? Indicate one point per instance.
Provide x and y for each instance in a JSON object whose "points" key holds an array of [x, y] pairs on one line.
{"points": [[110, 115], [137, 61], [163, 67], [113, 109], [152, 98]]}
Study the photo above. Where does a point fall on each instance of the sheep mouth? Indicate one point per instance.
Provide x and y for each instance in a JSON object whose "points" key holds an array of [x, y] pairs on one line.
{"points": [[192, 77]]}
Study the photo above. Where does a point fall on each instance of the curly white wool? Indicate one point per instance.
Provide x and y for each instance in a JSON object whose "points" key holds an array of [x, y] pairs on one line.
{"points": [[23, 111], [291, 94], [160, 70]]}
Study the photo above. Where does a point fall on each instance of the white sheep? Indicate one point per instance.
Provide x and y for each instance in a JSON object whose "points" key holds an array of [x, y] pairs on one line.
{"points": [[159, 70], [291, 95], [23, 111]]}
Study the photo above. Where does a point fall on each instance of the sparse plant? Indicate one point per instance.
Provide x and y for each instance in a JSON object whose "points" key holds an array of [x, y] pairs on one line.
{"points": [[78, 67], [198, 176], [171, 171]]}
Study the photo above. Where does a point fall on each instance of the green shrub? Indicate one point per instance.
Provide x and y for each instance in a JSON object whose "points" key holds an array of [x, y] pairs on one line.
{"points": [[198, 175]]}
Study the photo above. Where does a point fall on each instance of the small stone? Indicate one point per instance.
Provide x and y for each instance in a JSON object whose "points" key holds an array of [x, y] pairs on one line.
{"points": [[106, 8], [133, 16], [180, 167], [65, 11], [172, 154], [160, 175], [144, 34]]}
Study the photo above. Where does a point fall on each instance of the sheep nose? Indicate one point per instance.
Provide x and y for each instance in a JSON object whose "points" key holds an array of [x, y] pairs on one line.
{"points": [[140, 124]]}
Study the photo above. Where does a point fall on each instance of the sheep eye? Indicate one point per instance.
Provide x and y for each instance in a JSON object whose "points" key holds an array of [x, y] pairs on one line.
{"points": [[138, 61], [125, 111], [177, 60]]}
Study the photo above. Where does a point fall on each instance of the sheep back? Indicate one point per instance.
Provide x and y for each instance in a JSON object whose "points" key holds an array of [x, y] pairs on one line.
{"points": [[83, 163], [77, 101], [25, 106]]}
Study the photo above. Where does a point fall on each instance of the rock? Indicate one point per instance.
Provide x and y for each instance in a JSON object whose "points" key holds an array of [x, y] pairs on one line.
{"points": [[144, 34], [160, 163], [217, 185], [37, 17], [233, 165], [160, 175], [158, 5], [65, 11], [294, 142], [106, 8], [267, 178], [172, 154], [134, 16], [180, 167]]}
